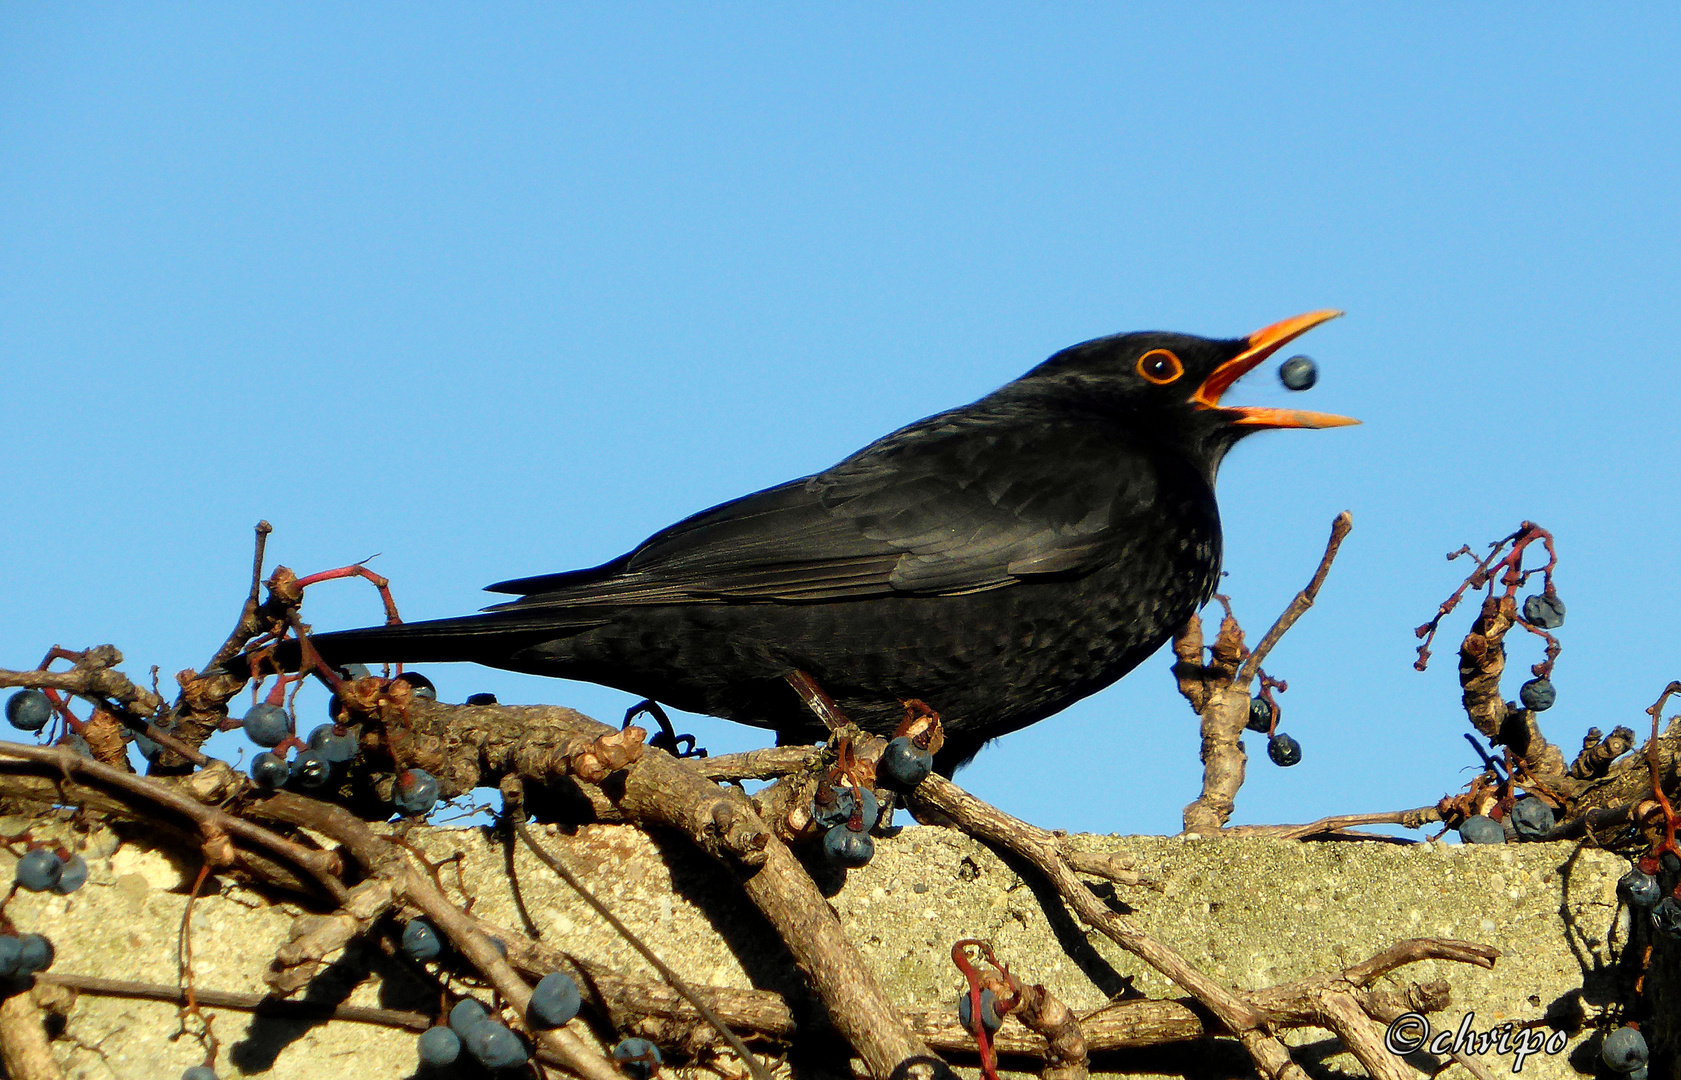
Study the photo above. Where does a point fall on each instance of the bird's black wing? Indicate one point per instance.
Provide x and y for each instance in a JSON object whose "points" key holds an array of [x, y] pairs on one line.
{"points": [[960, 502]]}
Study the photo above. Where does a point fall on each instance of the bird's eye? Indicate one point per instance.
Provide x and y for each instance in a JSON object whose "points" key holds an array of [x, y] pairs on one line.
{"points": [[1160, 367]]}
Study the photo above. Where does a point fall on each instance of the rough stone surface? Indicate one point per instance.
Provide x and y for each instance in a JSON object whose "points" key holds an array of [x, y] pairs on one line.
{"points": [[1251, 913]]}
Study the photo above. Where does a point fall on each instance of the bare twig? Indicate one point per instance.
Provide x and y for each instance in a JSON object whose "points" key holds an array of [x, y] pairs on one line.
{"points": [[1340, 527]]}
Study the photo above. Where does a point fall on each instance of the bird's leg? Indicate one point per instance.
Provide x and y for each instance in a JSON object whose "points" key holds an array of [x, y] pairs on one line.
{"points": [[667, 739], [817, 700]]}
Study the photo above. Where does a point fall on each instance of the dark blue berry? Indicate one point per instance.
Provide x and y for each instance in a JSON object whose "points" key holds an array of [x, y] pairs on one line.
{"points": [[481, 699], [1284, 750], [1544, 610], [267, 725], [1537, 694], [1298, 373], [72, 877], [1641, 888], [1532, 818], [420, 941], [35, 953], [1624, 1050], [199, 1072], [439, 1046], [833, 806], [11, 951], [848, 848], [495, 1046], [989, 1011], [39, 870], [269, 769], [467, 1014], [311, 770], [1666, 918], [29, 710], [416, 791], [904, 764], [420, 684], [637, 1057], [555, 1001], [334, 748], [1260, 716], [1482, 829]]}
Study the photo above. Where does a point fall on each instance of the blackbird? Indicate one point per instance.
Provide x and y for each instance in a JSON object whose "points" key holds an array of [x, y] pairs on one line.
{"points": [[998, 561]]}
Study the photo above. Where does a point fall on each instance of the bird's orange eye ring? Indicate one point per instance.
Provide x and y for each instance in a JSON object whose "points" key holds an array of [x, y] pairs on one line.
{"points": [[1160, 367]]}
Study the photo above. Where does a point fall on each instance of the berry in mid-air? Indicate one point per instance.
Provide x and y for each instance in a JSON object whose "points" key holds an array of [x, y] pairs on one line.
{"points": [[267, 725], [989, 1011], [1482, 829], [1641, 888], [1284, 750], [848, 848], [637, 1057], [416, 791], [39, 869], [1537, 694], [904, 764], [269, 769], [1532, 818], [439, 1046], [554, 1001], [29, 710], [1298, 373], [1624, 1050], [1544, 610], [420, 941]]}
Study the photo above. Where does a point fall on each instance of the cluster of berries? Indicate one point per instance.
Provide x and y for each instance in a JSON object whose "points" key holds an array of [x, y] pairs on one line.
{"points": [[39, 870], [1281, 748], [1545, 611], [1530, 819]]}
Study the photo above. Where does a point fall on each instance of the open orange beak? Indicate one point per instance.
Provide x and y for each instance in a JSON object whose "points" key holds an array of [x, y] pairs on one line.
{"points": [[1262, 344]]}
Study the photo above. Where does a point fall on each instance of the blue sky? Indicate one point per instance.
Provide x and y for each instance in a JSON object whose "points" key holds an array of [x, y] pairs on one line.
{"points": [[500, 292]]}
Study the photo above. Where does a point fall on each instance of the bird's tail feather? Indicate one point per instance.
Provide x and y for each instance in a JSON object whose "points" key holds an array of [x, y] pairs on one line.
{"points": [[484, 638]]}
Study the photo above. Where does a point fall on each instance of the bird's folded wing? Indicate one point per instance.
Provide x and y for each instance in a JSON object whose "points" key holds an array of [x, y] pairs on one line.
{"points": [[953, 504]]}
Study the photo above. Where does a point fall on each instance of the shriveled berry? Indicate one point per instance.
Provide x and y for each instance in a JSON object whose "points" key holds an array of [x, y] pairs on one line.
{"points": [[848, 848], [989, 1011], [833, 806], [1537, 694], [1624, 1050], [416, 791], [1666, 918], [334, 748], [419, 684], [495, 1046], [199, 1072], [1482, 829], [1545, 610], [1284, 750], [39, 870], [73, 876], [1532, 818], [35, 953], [554, 1001], [29, 710], [1260, 716], [439, 1046], [11, 951], [269, 769], [267, 725], [1298, 373], [904, 764], [1640, 888], [637, 1057], [420, 941], [467, 1014], [481, 699], [311, 770]]}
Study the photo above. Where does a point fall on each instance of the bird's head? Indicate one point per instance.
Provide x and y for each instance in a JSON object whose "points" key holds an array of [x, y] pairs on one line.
{"points": [[1170, 385]]}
